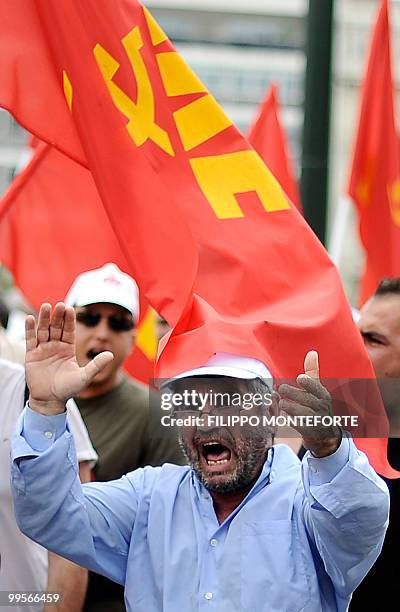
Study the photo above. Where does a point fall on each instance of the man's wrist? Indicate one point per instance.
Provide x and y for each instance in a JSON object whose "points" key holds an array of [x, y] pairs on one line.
{"points": [[324, 447], [48, 408]]}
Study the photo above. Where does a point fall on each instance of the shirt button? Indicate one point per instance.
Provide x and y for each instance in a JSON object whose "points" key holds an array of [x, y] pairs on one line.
{"points": [[208, 595], [48, 434], [214, 542], [313, 468]]}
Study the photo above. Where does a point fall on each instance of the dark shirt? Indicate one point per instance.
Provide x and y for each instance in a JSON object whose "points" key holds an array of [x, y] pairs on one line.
{"points": [[382, 581]]}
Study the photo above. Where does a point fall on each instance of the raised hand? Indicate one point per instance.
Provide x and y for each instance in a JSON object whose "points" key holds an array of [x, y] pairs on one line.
{"points": [[52, 372], [310, 400]]}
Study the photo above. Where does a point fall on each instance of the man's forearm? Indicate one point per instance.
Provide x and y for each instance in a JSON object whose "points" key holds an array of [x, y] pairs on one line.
{"points": [[68, 579], [346, 514]]}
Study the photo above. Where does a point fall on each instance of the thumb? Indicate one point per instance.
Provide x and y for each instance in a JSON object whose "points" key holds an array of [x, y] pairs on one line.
{"points": [[311, 365], [96, 365]]}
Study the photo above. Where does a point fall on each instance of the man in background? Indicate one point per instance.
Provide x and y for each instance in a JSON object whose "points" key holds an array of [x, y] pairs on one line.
{"points": [[115, 407], [379, 324]]}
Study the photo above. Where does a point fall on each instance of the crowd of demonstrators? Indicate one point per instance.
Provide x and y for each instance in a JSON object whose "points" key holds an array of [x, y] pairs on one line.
{"points": [[26, 566], [245, 526], [114, 406], [379, 324]]}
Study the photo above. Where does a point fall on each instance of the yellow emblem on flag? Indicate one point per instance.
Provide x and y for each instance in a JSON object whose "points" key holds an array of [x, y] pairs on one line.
{"points": [[222, 176], [178, 79], [67, 90], [146, 338], [363, 189], [156, 33], [394, 200], [142, 124], [199, 121]]}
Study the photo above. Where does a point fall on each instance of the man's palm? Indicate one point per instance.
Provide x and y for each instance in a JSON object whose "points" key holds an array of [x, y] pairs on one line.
{"points": [[52, 372]]}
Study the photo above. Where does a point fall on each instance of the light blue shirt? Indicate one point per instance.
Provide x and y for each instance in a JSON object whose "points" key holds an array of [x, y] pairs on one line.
{"points": [[302, 539]]}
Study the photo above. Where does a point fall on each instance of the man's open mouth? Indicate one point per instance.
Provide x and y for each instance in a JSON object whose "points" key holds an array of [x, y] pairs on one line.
{"points": [[92, 354], [215, 453]]}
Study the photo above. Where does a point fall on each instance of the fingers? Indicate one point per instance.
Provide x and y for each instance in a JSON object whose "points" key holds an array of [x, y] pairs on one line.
{"points": [[314, 386], [311, 365], [57, 326], [43, 323], [30, 333], [311, 400], [96, 365], [57, 321], [68, 333], [300, 396], [293, 408]]}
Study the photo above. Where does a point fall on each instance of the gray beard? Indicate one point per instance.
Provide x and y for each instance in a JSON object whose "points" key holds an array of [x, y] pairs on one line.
{"points": [[248, 466]]}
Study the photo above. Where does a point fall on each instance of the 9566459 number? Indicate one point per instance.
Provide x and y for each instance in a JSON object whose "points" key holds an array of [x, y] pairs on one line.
{"points": [[20, 598]]}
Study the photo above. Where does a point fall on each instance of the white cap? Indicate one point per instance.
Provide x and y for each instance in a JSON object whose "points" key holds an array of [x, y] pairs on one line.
{"points": [[234, 366], [105, 285]]}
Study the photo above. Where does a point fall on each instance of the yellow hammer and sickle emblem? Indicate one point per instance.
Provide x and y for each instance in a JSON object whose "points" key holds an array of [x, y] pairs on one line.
{"points": [[141, 125]]}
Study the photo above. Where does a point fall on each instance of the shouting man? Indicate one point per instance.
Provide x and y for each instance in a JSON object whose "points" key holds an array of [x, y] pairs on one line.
{"points": [[245, 527]]}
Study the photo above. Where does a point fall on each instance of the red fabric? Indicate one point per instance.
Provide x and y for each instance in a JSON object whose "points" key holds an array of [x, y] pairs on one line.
{"points": [[375, 174], [53, 227], [206, 229], [268, 138], [45, 39]]}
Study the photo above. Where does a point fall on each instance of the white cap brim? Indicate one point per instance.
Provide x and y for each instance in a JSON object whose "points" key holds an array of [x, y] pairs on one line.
{"points": [[102, 299], [232, 366], [218, 371]]}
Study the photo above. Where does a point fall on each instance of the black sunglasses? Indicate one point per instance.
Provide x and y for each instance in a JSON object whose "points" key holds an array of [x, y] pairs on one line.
{"points": [[115, 323]]}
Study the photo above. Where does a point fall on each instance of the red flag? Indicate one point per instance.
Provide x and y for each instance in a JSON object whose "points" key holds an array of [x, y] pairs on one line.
{"points": [[53, 227], [264, 286], [375, 173], [268, 138], [72, 109]]}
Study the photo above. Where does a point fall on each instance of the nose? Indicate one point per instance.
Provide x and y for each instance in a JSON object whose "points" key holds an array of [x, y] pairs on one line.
{"points": [[101, 330], [206, 424]]}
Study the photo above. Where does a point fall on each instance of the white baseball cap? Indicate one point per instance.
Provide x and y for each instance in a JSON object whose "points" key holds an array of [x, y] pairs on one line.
{"points": [[234, 366], [105, 285]]}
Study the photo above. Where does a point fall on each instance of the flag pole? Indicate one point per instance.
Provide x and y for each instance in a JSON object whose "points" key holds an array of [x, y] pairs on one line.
{"points": [[315, 145]]}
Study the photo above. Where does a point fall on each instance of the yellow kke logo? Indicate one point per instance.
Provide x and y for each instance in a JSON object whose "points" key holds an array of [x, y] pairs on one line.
{"points": [[364, 187], [220, 176]]}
